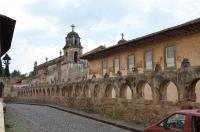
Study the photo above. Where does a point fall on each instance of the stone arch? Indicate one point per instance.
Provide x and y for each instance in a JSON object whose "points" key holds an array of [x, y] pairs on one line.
{"points": [[110, 91], [86, 91], [169, 91], [97, 91], [144, 90], [126, 92], [193, 91]]}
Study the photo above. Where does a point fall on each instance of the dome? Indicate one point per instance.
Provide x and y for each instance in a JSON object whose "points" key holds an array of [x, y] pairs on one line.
{"points": [[122, 40], [72, 39], [72, 34]]}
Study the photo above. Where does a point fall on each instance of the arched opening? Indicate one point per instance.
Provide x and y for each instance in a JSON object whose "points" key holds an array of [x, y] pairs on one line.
{"points": [[34, 92], [96, 91], [76, 56], [169, 91], [66, 91], [87, 92], [63, 92], [77, 91], [126, 92], [40, 92], [194, 91], [57, 91], [197, 92], [44, 92], [70, 91], [37, 93], [31, 92], [52, 92], [48, 92], [144, 91], [110, 92]]}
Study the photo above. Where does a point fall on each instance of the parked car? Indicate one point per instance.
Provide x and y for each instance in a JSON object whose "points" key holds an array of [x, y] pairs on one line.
{"points": [[179, 121]]}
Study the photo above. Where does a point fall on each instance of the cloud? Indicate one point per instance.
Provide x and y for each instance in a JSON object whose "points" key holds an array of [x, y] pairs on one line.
{"points": [[40, 24], [23, 58], [127, 21]]}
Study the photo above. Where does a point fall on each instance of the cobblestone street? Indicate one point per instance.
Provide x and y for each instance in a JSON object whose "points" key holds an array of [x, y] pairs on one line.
{"points": [[31, 118]]}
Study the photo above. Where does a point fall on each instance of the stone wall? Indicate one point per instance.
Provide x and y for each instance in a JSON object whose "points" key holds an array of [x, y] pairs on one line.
{"points": [[140, 97]]}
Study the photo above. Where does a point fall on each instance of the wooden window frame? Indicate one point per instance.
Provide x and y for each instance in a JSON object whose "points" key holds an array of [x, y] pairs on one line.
{"points": [[128, 62], [152, 60], [104, 60], [165, 57], [114, 65]]}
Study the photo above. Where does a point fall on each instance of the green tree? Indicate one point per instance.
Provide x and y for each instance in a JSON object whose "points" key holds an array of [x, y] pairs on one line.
{"points": [[17, 73]]}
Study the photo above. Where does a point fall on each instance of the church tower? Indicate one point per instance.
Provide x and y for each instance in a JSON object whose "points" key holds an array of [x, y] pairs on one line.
{"points": [[73, 47]]}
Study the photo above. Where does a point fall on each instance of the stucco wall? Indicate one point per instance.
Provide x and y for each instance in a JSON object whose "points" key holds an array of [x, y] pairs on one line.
{"points": [[186, 47]]}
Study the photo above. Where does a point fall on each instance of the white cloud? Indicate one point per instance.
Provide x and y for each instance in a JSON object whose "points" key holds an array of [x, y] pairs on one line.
{"points": [[125, 22], [137, 15], [24, 54]]}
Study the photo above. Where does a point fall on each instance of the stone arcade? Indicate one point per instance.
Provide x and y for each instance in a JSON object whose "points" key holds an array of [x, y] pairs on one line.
{"points": [[138, 80]]}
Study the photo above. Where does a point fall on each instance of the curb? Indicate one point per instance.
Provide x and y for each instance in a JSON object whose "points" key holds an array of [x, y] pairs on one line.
{"points": [[127, 127]]}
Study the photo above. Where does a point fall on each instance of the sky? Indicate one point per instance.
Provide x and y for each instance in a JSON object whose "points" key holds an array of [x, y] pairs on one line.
{"points": [[42, 25]]}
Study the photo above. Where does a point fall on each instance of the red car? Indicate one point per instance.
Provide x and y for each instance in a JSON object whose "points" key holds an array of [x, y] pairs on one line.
{"points": [[179, 121]]}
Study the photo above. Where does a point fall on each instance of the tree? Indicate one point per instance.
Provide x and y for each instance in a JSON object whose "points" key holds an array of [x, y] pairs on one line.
{"points": [[17, 73]]}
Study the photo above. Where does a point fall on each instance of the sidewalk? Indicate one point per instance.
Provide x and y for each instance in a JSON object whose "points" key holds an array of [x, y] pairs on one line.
{"points": [[95, 116], [2, 126]]}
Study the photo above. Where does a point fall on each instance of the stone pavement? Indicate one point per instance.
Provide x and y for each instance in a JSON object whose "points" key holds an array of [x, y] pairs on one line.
{"points": [[95, 116], [46, 119]]}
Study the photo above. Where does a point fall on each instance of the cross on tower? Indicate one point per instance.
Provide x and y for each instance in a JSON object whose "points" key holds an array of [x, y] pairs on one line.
{"points": [[73, 26], [122, 36]]}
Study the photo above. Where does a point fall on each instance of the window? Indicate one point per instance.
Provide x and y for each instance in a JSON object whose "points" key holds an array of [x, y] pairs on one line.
{"points": [[195, 124], [75, 57], [130, 63], [148, 60], [104, 67], [116, 65], [175, 121], [170, 56]]}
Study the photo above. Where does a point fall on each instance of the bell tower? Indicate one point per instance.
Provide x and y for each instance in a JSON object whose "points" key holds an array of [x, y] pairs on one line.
{"points": [[73, 47]]}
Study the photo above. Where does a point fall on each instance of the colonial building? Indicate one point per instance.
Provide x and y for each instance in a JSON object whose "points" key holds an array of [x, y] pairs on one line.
{"points": [[167, 48], [137, 80], [67, 67]]}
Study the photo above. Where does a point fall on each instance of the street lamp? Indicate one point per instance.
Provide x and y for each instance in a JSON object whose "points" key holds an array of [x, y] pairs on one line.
{"points": [[6, 61]]}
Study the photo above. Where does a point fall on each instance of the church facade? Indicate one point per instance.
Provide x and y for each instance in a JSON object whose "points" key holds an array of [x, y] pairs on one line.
{"points": [[67, 67]]}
